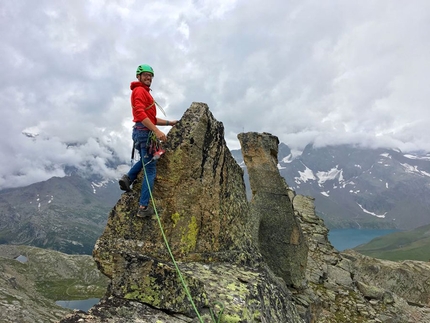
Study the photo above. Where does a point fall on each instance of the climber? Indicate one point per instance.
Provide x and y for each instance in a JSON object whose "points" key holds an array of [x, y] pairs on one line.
{"points": [[146, 137]]}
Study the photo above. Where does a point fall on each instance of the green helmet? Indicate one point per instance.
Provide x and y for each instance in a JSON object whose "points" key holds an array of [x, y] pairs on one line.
{"points": [[144, 68]]}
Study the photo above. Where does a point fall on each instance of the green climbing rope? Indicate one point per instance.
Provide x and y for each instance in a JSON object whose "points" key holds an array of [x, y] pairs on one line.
{"points": [[184, 284], [219, 313]]}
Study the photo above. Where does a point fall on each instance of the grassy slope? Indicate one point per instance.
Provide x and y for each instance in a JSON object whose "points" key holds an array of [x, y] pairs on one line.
{"points": [[412, 245], [53, 274]]}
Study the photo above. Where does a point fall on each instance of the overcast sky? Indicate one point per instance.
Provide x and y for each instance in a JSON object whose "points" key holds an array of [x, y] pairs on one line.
{"points": [[327, 72]]}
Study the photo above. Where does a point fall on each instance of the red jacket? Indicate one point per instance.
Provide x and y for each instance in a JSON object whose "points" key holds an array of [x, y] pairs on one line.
{"points": [[142, 102]]}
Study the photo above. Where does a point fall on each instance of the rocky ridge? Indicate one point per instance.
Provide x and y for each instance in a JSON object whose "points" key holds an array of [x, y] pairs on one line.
{"points": [[350, 287], [268, 260]]}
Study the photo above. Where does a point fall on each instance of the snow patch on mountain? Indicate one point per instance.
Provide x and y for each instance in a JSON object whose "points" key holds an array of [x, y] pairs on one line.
{"points": [[416, 157], [332, 174], [39, 201], [321, 177], [95, 185], [287, 159], [414, 169], [305, 176], [372, 213]]}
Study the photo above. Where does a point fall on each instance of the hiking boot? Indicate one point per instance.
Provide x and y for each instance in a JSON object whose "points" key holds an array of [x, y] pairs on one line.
{"points": [[144, 212], [124, 183]]}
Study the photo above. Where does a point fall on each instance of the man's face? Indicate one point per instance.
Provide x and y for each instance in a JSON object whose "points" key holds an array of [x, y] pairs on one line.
{"points": [[145, 78]]}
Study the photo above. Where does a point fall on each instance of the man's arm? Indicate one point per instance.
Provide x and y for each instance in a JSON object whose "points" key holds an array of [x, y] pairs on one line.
{"points": [[159, 134], [162, 122]]}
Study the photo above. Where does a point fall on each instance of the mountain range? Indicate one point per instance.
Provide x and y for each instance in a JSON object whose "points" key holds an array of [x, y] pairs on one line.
{"points": [[353, 187], [65, 214], [356, 187]]}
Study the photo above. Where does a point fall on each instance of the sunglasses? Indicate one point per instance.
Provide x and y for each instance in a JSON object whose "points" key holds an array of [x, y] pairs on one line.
{"points": [[147, 75]]}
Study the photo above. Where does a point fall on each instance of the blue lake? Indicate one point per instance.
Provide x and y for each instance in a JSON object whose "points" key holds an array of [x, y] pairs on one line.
{"points": [[343, 239], [83, 305]]}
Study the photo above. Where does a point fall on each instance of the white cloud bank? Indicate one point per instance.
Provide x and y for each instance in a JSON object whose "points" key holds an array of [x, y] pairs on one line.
{"points": [[328, 72]]}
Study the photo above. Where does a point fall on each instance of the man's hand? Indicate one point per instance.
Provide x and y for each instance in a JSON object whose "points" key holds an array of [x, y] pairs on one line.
{"points": [[160, 135]]}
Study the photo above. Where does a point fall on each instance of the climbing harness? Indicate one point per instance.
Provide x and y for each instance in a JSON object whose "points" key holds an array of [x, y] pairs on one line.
{"points": [[142, 127], [184, 284], [152, 145]]}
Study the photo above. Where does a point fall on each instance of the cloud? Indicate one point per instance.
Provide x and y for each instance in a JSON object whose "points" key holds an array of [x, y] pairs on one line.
{"points": [[327, 72]]}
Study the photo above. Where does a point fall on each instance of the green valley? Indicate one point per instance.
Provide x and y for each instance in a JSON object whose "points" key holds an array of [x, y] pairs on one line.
{"points": [[405, 245]]}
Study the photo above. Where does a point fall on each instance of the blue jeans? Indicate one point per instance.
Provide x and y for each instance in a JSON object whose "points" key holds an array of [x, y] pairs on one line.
{"points": [[140, 138]]}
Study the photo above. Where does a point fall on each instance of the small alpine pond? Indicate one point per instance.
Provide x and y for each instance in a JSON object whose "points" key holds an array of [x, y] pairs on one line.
{"points": [[83, 304]]}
